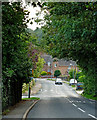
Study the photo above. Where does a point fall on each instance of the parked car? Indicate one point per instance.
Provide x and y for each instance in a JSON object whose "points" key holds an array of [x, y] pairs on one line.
{"points": [[73, 82], [58, 81], [79, 86]]}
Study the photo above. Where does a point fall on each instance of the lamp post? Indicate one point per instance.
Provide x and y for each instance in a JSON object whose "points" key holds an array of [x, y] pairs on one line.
{"points": [[73, 72], [29, 89], [69, 67]]}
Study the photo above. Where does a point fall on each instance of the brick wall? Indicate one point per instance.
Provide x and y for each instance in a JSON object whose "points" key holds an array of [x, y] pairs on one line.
{"points": [[55, 66]]}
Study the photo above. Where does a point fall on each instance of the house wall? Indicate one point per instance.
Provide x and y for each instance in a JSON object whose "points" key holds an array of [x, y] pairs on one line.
{"points": [[47, 68], [54, 65], [63, 69]]}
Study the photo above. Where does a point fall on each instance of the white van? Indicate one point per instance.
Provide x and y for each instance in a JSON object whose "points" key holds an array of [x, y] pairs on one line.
{"points": [[72, 82], [58, 81]]}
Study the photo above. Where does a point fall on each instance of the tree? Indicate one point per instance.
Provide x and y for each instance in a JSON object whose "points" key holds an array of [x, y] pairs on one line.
{"points": [[39, 67], [70, 31], [72, 73], [57, 73], [15, 63]]}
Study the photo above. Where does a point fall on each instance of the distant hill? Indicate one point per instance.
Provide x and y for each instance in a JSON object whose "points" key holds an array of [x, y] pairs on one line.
{"points": [[37, 32]]}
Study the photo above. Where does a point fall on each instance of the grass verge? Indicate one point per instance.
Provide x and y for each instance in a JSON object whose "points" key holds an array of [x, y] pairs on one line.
{"points": [[32, 98], [6, 111], [51, 79], [89, 97], [73, 85]]}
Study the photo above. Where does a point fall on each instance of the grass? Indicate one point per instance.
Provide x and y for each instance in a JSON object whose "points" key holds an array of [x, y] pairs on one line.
{"points": [[51, 79], [32, 98], [73, 85], [66, 82], [89, 97], [6, 111]]}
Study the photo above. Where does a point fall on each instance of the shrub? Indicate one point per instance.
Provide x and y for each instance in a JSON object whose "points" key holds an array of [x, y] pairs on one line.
{"points": [[57, 73], [43, 73], [81, 78]]}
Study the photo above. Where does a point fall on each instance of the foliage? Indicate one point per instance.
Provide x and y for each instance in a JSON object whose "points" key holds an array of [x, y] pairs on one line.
{"points": [[57, 73], [78, 74], [70, 31], [39, 67], [90, 96], [15, 64], [43, 73], [81, 78], [72, 73]]}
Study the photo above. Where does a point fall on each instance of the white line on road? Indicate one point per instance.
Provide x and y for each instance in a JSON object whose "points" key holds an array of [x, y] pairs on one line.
{"points": [[51, 90], [70, 101], [92, 116], [74, 105], [81, 109]]}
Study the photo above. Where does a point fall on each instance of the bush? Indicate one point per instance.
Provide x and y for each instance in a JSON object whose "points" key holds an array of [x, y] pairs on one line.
{"points": [[43, 73], [81, 78], [57, 73]]}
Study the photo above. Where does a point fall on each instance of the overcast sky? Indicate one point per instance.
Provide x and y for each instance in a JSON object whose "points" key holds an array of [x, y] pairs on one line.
{"points": [[32, 14]]}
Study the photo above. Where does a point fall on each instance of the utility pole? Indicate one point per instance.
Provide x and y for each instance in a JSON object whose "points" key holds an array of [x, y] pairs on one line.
{"points": [[29, 89]]}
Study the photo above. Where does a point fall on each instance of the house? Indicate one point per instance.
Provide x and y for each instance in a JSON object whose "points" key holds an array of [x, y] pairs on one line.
{"points": [[48, 63], [52, 64]]}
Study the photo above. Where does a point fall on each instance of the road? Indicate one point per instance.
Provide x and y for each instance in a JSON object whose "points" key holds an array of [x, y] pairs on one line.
{"points": [[61, 101]]}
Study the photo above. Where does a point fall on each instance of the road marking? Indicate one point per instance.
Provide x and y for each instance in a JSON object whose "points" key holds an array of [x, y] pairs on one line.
{"points": [[81, 109], [74, 105], [51, 90], [92, 116], [70, 101]]}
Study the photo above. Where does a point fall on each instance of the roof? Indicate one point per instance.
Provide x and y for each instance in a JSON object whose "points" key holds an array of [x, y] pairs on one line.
{"points": [[62, 62], [66, 63], [47, 58]]}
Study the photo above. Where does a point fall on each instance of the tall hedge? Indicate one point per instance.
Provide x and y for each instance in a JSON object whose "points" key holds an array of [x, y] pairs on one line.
{"points": [[15, 64]]}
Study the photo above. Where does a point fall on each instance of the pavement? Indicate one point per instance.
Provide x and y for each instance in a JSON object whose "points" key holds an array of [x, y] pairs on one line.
{"points": [[21, 109]]}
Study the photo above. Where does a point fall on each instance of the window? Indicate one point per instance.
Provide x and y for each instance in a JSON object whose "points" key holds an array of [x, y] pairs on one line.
{"points": [[55, 65], [49, 63]]}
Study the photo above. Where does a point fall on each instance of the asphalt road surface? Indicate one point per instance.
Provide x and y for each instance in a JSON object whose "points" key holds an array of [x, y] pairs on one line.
{"points": [[61, 101]]}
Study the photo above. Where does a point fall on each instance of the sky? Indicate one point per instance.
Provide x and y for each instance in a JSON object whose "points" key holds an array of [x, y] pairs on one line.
{"points": [[32, 14]]}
